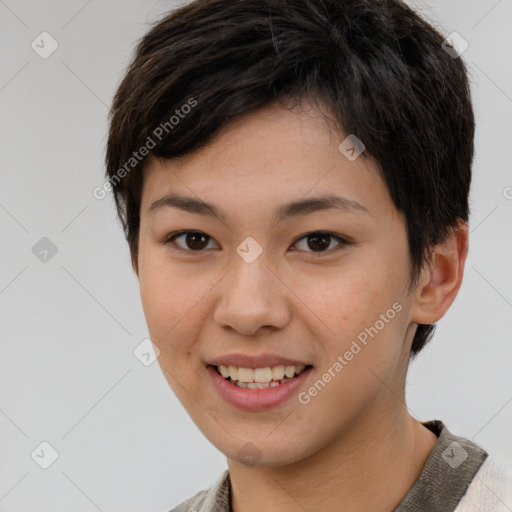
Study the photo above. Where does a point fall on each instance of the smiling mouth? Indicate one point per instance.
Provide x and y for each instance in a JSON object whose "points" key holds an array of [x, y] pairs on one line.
{"points": [[260, 378]]}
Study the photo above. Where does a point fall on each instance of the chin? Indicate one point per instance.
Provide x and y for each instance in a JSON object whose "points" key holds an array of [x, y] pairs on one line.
{"points": [[264, 452]]}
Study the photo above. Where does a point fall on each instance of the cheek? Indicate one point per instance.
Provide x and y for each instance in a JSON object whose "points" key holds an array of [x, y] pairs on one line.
{"points": [[169, 296], [360, 315], [361, 362], [349, 298]]}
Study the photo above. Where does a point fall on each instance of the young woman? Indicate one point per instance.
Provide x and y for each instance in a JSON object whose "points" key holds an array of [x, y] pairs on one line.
{"points": [[293, 179]]}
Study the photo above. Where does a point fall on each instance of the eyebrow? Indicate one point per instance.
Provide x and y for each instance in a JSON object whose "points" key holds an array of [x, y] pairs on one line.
{"points": [[291, 209]]}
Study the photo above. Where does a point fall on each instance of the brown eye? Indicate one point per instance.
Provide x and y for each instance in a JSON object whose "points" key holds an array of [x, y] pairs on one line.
{"points": [[314, 242], [321, 241], [193, 240]]}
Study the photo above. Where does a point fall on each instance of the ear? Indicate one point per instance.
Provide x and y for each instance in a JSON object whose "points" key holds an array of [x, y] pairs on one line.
{"points": [[440, 280]]}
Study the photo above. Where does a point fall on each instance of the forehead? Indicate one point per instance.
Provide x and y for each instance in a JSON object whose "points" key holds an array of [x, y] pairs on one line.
{"points": [[273, 155]]}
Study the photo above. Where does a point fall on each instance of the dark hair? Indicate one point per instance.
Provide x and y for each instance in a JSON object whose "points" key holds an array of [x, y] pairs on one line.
{"points": [[378, 67]]}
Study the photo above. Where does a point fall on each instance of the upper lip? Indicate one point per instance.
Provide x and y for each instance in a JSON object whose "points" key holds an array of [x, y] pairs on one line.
{"points": [[260, 361]]}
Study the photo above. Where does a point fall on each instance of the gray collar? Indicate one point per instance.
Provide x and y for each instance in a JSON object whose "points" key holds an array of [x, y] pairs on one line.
{"points": [[446, 475]]}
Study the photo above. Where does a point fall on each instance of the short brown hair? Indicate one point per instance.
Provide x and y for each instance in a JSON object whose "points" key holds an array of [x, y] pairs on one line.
{"points": [[380, 69]]}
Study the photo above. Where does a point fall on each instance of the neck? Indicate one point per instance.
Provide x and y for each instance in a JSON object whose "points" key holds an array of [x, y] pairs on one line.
{"points": [[372, 466]]}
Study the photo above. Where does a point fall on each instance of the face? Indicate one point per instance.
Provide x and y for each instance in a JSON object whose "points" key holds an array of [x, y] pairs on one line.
{"points": [[266, 278]]}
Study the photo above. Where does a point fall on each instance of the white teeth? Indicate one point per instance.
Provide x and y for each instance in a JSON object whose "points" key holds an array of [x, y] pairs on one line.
{"points": [[259, 385], [233, 372], [245, 374], [278, 372], [267, 375], [263, 374], [289, 371]]}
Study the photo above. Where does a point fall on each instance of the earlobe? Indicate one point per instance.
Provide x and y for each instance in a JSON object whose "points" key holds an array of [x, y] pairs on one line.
{"points": [[440, 280]]}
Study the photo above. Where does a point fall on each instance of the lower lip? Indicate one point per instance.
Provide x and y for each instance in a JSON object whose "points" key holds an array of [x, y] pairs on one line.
{"points": [[255, 400]]}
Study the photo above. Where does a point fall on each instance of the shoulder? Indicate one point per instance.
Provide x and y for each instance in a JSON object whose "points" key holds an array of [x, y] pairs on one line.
{"points": [[216, 498], [491, 489]]}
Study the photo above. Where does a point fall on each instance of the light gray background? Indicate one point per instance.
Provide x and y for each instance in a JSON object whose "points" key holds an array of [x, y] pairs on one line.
{"points": [[69, 326]]}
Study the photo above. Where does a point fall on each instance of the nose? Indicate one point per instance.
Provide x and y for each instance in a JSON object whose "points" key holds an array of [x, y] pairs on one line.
{"points": [[252, 297]]}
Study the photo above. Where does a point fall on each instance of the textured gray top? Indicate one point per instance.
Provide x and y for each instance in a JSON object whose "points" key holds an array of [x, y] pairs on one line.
{"points": [[445, 478]]}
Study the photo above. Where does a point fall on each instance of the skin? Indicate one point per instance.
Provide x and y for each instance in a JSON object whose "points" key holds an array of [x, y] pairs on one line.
{"points": [[356, 434]]}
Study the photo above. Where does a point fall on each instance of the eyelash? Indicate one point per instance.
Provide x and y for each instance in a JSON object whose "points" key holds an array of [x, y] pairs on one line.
{"points": [[342, 241]]}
